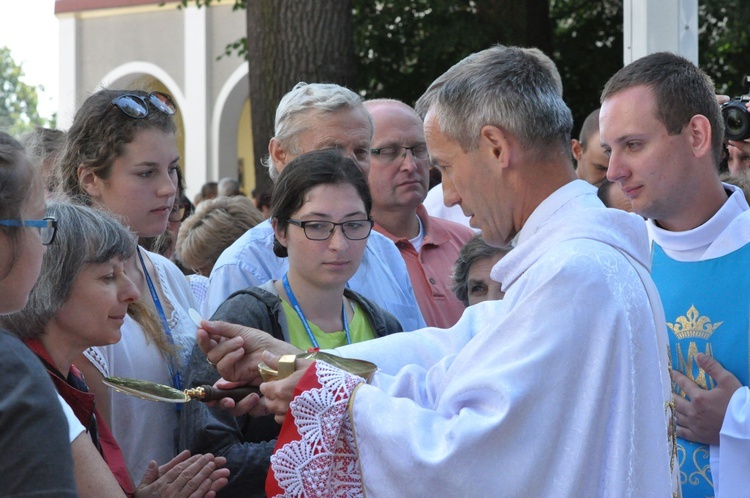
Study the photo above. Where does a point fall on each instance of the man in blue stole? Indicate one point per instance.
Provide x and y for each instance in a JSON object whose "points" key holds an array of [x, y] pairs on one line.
{"points": [[662, 126]]}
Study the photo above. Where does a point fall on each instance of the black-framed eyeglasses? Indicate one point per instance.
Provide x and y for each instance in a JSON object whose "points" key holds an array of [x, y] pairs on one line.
{"points": [[322, 230], [47, 227], [180, 212], [394, 152], [137, 107]]}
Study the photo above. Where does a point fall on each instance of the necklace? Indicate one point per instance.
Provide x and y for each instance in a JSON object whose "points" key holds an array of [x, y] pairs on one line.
{"points": [[301, 314]]}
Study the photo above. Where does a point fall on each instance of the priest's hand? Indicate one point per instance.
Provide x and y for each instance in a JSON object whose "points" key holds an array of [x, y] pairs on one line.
{"points": [[700, 417], [235, 350], [279, 393]]}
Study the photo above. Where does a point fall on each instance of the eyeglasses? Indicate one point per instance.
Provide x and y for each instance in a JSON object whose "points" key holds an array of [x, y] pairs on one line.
{"points": [[392, 153], [136, 106], [47, 227], [179, 212], [322, 230]]}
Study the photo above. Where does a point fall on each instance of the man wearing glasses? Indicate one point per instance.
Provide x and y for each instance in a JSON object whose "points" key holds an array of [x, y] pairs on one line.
{"points": [[315, 117], [399, 178]]}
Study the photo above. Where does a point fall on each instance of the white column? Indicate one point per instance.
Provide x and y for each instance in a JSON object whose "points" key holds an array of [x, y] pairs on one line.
{"points": [[196, 117], [660, 26], [68, 73]]}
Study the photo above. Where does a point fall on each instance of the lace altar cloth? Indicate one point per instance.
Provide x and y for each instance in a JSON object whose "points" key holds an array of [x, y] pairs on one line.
{"points": [[316, 454]]}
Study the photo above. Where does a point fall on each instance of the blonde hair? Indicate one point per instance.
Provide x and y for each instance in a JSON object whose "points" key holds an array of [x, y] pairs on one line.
{"points": [[143, 313], [214, 226]]}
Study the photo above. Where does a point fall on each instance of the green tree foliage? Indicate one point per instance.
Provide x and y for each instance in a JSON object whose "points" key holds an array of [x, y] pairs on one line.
{"points": [[724, 44], [18, 101], [401, 46], [587, 40]]}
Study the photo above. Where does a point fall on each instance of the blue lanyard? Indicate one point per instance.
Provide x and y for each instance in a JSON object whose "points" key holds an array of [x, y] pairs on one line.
{"points": [[176, 379], [301, 315]]}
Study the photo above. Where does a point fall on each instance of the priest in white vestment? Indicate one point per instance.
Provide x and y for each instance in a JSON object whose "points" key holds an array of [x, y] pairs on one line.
{"points": [[561, 389]]}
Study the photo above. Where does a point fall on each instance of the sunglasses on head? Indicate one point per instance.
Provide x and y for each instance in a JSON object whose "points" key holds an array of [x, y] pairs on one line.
{"points": [[137, 107]]}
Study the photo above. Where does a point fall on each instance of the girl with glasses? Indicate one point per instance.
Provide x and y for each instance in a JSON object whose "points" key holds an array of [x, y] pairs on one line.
{"points": [[121, 156], [321, 218], [34, 436], [80, 300]]}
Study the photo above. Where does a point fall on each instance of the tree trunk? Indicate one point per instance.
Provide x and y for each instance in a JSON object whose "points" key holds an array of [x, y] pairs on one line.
{"points": [[291, 41]]}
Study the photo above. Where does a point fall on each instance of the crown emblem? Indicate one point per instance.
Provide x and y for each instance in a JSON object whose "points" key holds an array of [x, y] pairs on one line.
{"points": [[693, 325]]}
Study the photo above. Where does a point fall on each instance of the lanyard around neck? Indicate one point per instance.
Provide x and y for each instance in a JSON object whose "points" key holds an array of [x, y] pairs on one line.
{"points": [[301, 315], [176, 378]]}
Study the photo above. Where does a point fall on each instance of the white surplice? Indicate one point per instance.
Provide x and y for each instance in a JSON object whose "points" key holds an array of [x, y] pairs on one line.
{"points": [[560, 389]]}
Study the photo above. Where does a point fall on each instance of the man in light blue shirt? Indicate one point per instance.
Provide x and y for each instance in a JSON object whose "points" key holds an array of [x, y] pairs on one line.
{"points": [[314, 117]]}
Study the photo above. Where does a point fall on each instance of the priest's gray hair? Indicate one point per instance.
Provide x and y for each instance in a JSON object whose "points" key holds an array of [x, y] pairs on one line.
{"points": [[298, 109], [84, 236], [516, 89]]}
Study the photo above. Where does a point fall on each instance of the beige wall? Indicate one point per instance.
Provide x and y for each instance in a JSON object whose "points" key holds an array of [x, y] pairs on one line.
{"points": [[154, 35]]}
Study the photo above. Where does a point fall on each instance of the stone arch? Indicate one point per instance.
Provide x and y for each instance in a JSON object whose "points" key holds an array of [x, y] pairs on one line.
{"points": [[126, 74], [227, 112]]}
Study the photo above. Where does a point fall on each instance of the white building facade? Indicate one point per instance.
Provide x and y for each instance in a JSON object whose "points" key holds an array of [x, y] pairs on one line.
{"points": [[140, 44]]}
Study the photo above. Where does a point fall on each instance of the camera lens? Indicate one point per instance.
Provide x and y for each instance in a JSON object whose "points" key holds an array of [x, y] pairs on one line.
{"points": [[736, 121]]}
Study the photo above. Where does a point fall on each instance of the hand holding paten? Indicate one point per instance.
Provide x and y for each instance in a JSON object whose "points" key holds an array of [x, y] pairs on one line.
{"points": [[236, 350], [279, 393]]}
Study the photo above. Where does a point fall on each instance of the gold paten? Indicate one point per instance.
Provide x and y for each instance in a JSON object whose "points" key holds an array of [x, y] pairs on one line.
{"points": [[152, 391], [147, 390], [362, 368]]}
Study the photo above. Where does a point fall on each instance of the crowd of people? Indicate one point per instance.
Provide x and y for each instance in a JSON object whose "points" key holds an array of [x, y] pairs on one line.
{"points": [[559, 317]]}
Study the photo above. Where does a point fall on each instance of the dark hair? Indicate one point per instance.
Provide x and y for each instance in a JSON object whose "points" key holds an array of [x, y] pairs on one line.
{"points": [[98, 136], [86, 236], [209, 189], [263, 200], [476, 249], [681, 90], [603, 192], [16, 179], [589, 127], [305, 172]]}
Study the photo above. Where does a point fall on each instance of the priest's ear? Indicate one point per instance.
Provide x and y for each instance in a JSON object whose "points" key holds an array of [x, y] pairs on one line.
{"points": [[496, 142], [700, 135]]}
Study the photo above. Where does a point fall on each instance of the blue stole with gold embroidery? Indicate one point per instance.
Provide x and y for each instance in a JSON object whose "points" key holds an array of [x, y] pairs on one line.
{"points": [[706, 304]]}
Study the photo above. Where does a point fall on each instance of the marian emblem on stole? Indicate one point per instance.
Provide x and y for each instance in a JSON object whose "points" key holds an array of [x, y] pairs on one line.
{"points": [[693, 328], [693, 325], [707, 305]]}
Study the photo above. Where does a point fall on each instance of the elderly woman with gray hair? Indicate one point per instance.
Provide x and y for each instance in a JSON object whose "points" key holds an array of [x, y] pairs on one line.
{"points": [[471, 272], [80, 300]]}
